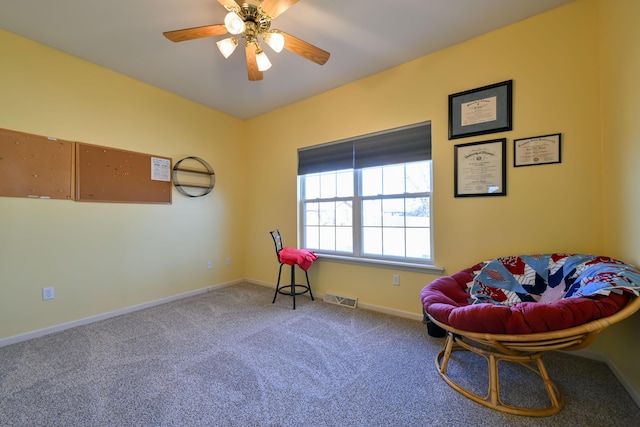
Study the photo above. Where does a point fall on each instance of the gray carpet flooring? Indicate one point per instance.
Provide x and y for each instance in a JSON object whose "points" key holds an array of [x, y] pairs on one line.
{"points": [[231, 358]]}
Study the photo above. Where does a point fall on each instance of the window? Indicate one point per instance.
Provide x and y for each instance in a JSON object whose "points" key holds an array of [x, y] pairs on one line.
{"points": [[369, 197]]}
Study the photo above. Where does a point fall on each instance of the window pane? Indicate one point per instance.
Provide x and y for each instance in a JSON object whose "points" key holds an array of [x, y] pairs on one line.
{"points": [[372, 181], [344, 239], [328, 185], [419, 243], [417, 212], [418, 176], [393, 212], [393, 179], [327, 238], [371, 213], [327, 213], [311, 214], [312, 237], [372, 240], [345, 183], [312, 186], [344, 213], [393, 241]]}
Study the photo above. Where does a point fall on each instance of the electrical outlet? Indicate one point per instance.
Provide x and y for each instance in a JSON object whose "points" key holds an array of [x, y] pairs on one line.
{"points": [[47, 293], [396, 280], [210, 265], [228, 262]]}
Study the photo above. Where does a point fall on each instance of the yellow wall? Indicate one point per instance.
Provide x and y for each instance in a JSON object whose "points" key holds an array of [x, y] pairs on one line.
{"points": [[620, 62], [552, 60], [101, 256]]}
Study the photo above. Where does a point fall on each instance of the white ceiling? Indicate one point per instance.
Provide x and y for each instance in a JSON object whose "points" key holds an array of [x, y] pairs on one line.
{"points": [[363, 36]]}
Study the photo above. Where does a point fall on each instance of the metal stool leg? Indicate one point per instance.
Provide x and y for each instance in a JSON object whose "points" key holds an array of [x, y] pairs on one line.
{"points": [[309, 285], [277, 284], [293, 284]]}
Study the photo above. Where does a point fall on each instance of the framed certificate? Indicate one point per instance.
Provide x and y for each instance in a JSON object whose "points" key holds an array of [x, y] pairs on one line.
{"points": [[481, 111], [537, 150], [480, 168]]}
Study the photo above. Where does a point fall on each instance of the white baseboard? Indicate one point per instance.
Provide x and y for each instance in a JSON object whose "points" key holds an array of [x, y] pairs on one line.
{"points": [[91, 319], [601, 357], [363, 305], [392, 311], [261, 283]]}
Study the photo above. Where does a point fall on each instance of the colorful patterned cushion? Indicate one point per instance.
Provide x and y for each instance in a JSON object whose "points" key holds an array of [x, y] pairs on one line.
{"points": [[529, 294], [549, 277]]}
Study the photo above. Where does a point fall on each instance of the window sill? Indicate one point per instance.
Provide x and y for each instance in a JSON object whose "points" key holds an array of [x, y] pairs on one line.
{"points": [[410, 266]]}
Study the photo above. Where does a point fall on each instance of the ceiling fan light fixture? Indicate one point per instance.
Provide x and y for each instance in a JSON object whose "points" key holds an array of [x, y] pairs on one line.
{"points": [[227, 46], [263, 62], [251, 20], [233, 23], [275, 40]]}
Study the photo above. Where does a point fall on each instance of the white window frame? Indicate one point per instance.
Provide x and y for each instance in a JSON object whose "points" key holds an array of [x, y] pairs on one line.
{"points": [[357, 256]]}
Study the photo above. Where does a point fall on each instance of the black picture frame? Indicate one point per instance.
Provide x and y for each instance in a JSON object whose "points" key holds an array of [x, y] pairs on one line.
{"points": [[481, 111], [480, 168], [537, 150]]}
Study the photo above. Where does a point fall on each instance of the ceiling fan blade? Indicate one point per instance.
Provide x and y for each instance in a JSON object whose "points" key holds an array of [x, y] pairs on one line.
{"points": [[274, 8], [195, 33], [304, 49], [252, 63], [229, 4]]}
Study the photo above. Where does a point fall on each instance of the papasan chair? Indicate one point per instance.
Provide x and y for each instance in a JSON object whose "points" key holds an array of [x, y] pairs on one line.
{"points": [[518, 307]]}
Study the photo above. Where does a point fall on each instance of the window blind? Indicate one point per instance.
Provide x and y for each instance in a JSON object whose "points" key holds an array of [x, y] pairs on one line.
{"points": [[400, 145]]}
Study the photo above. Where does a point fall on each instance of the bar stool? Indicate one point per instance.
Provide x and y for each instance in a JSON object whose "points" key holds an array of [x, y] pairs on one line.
{"points": [[303, 258]]}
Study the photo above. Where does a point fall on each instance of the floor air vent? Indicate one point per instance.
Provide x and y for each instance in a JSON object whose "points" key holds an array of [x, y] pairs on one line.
{"points": [[339, 300]]}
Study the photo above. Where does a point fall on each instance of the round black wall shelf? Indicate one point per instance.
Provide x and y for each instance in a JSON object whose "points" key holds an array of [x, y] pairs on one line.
{"points": [[193, 167]]}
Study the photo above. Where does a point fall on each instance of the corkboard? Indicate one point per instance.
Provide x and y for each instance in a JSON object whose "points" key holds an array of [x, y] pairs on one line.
{"points": [[35, 166], [106, 174]]}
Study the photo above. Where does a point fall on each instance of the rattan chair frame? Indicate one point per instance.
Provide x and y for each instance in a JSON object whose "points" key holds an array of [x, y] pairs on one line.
{"points": [[525, 349]]}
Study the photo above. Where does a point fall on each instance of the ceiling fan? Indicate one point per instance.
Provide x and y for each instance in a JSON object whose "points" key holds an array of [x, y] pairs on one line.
{"points": [[251, 20]]}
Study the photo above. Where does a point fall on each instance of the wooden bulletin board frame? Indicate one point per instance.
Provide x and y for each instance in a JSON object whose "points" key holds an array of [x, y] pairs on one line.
{"points": [[106, 174], [35, 166]]}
